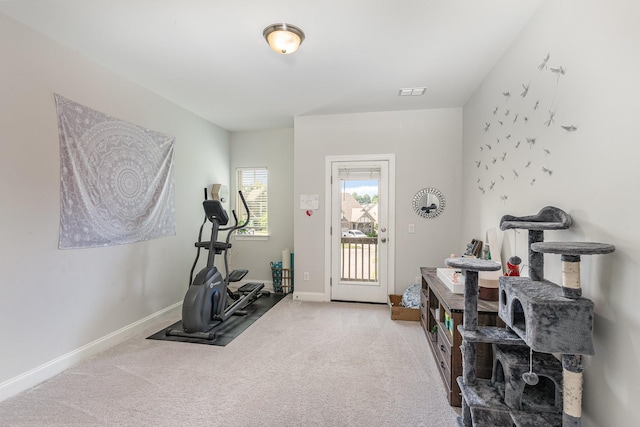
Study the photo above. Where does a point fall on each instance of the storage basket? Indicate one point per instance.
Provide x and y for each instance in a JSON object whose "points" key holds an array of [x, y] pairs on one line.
{"points": [[282, 278]]}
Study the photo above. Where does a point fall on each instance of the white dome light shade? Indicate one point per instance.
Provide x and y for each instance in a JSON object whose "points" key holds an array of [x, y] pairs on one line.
{"points": [[283, 38]]}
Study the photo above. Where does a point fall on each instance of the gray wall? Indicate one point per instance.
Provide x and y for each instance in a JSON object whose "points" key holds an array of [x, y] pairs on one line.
{"points": [[595, 171], [427, 146], [54, 302], [273, 149]]}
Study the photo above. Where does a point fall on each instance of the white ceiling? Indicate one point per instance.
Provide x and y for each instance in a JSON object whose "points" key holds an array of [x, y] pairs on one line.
{"points": [[209, 56]]}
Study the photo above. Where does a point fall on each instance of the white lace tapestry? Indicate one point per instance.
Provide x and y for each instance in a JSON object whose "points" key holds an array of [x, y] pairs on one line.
{"points": [[116, 179]]}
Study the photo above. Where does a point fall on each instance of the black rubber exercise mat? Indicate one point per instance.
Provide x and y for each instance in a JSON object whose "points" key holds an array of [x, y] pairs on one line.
{"points": [[230, 329]]}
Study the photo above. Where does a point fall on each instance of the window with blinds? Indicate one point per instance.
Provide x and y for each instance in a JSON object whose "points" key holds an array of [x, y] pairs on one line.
{"points": [[253, 182]]}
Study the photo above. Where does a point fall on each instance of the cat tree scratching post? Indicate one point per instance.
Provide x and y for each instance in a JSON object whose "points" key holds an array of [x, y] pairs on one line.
{"points": [[542, 319], [572, 364], [471, 267], [549, 218]]}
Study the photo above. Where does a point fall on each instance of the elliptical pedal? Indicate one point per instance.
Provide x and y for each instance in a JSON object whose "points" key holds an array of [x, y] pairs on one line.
{"points": [[237, 275], [248, 287]]}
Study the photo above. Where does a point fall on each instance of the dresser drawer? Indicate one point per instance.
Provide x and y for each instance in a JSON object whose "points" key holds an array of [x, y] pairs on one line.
{"points": [[443, 348], [445, 371], [444, 345], [424, 301]]}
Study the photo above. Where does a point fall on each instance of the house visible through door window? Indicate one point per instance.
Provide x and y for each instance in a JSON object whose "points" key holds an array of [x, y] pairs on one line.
{"points": [[253, 182]]}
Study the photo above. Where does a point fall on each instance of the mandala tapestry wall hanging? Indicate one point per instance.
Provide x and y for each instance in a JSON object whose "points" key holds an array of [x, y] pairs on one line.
{"points": [[116, 179]]}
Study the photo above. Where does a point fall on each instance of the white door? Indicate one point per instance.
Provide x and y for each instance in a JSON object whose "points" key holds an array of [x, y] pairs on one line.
{"points": [[360, 231]]}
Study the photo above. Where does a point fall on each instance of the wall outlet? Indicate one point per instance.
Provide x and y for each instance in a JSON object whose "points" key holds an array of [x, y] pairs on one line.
{"points": [[418, 279], [412, 228], [305, 276]]}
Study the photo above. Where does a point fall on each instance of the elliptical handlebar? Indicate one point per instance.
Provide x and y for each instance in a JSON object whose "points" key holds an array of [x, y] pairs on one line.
{"points": [[218, 245], [237, 226], [231, 230]]}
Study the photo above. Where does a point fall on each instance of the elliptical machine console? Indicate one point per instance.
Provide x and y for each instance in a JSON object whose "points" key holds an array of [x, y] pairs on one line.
{"points": [[209, 301]]}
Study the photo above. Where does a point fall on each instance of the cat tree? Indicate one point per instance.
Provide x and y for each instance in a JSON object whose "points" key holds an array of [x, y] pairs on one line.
{"points": [[529, 385]]}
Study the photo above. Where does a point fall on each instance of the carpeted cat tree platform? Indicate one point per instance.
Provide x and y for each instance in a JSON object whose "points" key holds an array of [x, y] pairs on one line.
{"points": [[529, 385]]}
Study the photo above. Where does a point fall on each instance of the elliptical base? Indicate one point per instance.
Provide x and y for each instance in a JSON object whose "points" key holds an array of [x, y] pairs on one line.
{"points": [[208, 336]]}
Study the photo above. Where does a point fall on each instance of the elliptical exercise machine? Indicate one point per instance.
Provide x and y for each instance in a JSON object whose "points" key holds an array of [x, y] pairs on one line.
{"points": [[209, 301]]}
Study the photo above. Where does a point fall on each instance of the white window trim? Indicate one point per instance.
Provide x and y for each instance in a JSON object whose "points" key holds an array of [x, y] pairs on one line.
{"points": [[237, 235], [251, 237]]}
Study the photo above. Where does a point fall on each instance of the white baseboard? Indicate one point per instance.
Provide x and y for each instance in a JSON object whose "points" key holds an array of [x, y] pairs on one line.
{"points": [[310, 296], [300, 296], [52, 368]]}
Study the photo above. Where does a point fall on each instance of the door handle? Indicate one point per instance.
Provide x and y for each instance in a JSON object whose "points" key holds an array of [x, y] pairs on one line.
{"points": [[384, 239], [383, 229]]}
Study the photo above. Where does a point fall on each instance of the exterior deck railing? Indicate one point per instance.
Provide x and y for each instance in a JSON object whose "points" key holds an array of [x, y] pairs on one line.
{"points": [[359, 259]]}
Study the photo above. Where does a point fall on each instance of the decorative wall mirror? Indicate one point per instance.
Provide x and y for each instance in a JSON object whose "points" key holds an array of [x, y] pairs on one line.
{"points": [[428, 203]]}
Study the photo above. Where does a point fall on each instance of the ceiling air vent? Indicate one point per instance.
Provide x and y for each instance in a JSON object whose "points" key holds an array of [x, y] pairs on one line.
{"points": [[415, 91]]}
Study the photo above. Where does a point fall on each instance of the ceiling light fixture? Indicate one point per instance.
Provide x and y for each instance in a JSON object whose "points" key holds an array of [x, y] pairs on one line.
{"points": [[283, 38]]}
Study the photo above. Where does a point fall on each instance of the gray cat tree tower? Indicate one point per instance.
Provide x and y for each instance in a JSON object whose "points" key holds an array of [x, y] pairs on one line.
{"points": [[529, 386]]}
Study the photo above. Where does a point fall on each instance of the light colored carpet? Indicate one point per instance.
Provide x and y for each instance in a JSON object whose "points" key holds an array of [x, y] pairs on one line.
{"points": [[301, 364]]}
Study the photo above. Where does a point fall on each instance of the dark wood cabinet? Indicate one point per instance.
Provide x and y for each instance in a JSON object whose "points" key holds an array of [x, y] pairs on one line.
{"points": [[441, 313]]}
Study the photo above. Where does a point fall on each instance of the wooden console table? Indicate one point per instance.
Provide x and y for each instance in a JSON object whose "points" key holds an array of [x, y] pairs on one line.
{"points": [[437, 306]]}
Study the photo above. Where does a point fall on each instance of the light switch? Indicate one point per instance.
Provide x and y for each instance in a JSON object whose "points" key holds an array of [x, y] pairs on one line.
{"points": [[412, 228]]}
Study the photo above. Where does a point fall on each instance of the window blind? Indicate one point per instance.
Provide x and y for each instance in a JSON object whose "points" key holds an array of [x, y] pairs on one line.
{"points": [[254, 184]]}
